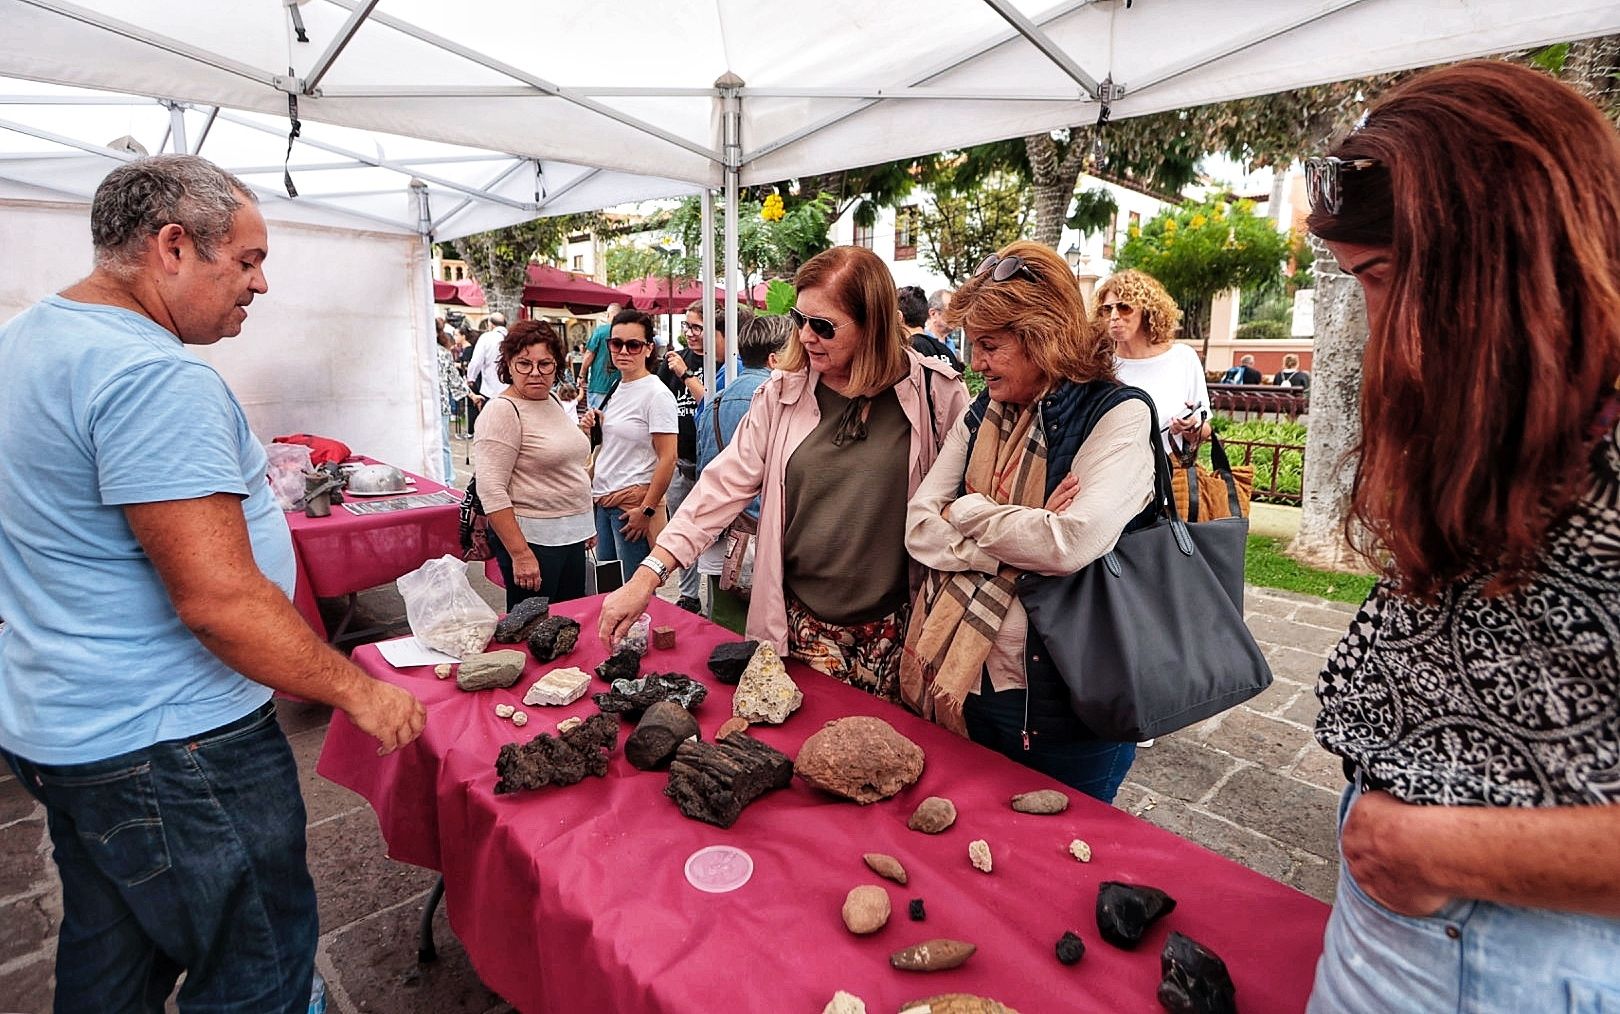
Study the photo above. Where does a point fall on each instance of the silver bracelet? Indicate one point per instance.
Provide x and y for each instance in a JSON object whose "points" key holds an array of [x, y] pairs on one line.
{"points": [[656, 565]]}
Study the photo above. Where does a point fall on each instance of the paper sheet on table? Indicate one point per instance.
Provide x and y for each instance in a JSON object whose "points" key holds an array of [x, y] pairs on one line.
{"points": [[404, 652]]}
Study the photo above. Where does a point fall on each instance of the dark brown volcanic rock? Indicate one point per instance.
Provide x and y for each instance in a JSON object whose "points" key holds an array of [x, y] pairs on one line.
{"points": [[518, 624], [658, 734], [557, 760], [712, 782], [553, 637]]}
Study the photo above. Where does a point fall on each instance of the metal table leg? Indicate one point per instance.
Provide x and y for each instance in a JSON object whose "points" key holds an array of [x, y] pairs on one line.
{"points": [[425, 950]]}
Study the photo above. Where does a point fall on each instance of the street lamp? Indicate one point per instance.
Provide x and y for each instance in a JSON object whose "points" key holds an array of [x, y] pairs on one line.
{"points": [[1084, 277]]}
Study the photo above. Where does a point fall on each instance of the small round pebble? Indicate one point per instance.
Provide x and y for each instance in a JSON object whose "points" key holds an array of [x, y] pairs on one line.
{"points": [[1070, 948], [979, 855], [1080, 850], [504, 710], [442, 670], [519, 719], [570, 723], [866, 909], [933, 815], [915, 909]]}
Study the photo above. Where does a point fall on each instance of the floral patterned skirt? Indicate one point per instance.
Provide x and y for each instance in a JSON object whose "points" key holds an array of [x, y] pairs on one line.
{"points": [[866, 656]]}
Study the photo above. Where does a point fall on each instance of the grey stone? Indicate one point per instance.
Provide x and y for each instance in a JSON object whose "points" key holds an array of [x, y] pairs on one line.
{"points": [[1267, 741], [1177, 767], [490, 670], [1317, 766], [1328, 619], [1256, 851], [1318, 878], [1040, 801], [1282, 808], [1316, 640], [1303, 667], [1274, 698], [1304, 709]]}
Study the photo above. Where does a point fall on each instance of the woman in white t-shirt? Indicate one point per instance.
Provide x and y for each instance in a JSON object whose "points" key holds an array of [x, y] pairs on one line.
{"points": [[1133, 309], [637, 456]]}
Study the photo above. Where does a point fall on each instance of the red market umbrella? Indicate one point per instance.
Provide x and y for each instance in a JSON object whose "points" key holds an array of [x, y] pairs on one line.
{"points": [[653, 294], [549, 286], [463, 293]]}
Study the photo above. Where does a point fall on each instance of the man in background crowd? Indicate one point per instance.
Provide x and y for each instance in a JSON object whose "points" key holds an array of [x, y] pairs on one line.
{"points": [[914, 311], [597, 366]]}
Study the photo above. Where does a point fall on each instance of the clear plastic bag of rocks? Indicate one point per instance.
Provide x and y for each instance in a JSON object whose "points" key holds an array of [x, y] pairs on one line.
{"points": [[288, 463], [443, 610], [636, 637]]}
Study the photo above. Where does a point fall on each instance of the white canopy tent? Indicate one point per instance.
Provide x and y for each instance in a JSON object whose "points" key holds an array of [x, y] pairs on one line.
{"points": [[656, 94]]}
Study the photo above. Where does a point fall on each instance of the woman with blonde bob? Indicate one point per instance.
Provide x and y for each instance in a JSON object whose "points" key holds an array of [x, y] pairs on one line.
{"points": [[1138, 319], [833, 444], [1048, 467]]}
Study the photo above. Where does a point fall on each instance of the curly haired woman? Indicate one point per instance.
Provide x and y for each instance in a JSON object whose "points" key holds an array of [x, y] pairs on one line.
{"points": [[1140, 317]]}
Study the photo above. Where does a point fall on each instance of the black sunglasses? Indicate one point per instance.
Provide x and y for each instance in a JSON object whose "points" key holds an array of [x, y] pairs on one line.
{"points": [[1001, 269], [1322, 180], [632, 346], [825, 329]]}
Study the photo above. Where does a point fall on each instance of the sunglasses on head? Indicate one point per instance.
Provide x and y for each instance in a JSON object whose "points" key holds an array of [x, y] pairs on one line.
{"points": [[632, 346], [1323, 178], [1107, 309], [824, 328], [1001, 269]]}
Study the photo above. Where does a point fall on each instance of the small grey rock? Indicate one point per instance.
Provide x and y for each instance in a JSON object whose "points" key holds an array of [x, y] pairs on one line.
{"points": [[490, 669], [933, 815]]}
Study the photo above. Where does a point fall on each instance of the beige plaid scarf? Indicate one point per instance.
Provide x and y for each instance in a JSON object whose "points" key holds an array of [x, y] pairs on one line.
{"points": [[957, 615]]}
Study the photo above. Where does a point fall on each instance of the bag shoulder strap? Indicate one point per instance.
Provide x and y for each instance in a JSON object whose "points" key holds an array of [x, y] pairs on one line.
{"points": [[714, 417]]}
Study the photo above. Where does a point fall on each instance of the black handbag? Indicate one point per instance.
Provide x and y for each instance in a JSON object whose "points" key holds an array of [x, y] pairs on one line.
{"points": [[1150, 638]]}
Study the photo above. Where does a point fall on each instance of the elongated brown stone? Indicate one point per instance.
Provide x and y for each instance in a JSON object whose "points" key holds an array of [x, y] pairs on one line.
{"points": [[932, 955]]}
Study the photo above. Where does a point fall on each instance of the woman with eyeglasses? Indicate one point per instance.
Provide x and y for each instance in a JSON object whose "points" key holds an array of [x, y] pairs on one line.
{"points": [[833, 444], [1042, 475], [529, 461], [1475, 700], [636, 461], [1139, 318]]}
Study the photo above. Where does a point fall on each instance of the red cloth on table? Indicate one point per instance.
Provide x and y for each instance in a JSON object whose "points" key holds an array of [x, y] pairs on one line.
{"points": [[343, 552], [575, 898]]}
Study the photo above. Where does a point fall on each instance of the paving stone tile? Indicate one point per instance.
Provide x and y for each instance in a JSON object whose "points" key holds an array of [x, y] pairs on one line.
{"points": [[1179, 767], [1304, 709], [1265, 605], [27, 925], [1254, 737], [1130, 795], [1255, 591], [1302, 667], [1316, 640], [375, 964], [25, 858], [353, 875], [1255, 851], [15, 802], [1316, 877], [1275, 698], [297, 716], [1317, 616], [1279, 807], [1319, 767], [29, 988], [322, 799]]}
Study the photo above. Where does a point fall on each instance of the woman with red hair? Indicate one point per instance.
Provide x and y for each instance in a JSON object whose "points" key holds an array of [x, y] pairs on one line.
{"points": [[1476, 698]]}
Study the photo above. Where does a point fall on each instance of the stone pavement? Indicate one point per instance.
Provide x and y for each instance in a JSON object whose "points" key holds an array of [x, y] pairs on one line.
{"points": [[1250, 784]]}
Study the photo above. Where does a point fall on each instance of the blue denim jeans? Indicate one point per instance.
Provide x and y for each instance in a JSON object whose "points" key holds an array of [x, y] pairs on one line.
{"points": [[449, 455], [1473, 956], [187, 856], [1093, 766], [679, 488], [611, 543]]}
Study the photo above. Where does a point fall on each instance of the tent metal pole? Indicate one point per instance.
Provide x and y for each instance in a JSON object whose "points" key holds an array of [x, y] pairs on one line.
{"points": [[335, 48], [177, 127], [706, 246], [46, 135], [1049, 49], [74, 12], [1044, 18], [434, 448], [730, 86], [208, 124], [468, 201]]}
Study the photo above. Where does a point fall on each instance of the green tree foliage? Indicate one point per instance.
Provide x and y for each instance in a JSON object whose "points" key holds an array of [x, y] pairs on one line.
{"points": [[1203, 248], [764, 249], [500, 258], [626, 262], [961, 229], [1093, 211]]}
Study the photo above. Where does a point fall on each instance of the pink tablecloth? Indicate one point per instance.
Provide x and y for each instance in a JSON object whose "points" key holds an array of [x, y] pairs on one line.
{"points": [[575, 899], [344, 552]]}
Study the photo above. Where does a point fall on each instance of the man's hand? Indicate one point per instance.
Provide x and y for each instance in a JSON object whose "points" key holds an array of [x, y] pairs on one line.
{"points": [[676, 364], [1389, 873], [635, 525], [388, 713]]}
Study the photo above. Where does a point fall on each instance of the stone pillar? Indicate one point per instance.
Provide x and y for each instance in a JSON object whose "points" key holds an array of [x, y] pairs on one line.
{"points": [[1335, 419]]}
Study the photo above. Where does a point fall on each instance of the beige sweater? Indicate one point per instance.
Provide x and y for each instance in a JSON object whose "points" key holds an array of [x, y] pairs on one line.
{"points": [[1115, 470], [545, 476]]}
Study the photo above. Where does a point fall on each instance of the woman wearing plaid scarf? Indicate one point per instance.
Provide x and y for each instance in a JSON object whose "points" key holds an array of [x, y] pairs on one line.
{"points": [[1041, 475]]}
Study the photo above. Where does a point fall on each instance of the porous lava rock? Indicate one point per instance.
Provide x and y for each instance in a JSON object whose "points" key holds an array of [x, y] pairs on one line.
{"points": [[712, 782], [623, 664], [518, 624], [1195, 979], [1125, 911], [1040, 801], [766, 693], [727, 661], [557, 760], [553, 637], [490, 670], [632, 697], [860, 758], [866, 909], [932, 955], [933, 815], [660, 731]]}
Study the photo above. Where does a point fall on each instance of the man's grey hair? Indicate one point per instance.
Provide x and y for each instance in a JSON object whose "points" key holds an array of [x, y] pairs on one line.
{"points": [[497, 319], [762, 336], [1246, 361], [139, 198], [936, 300]]}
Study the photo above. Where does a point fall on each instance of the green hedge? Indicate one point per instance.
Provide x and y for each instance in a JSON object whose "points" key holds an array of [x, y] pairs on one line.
{"points": [[1291, 464], [1267, 329]]}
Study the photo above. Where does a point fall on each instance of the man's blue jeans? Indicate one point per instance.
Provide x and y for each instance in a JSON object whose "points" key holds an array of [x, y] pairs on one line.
{"points": [[187, 856]]}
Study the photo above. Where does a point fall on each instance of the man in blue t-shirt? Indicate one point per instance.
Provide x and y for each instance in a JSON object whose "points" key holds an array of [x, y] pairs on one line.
{"points": [[600, 373], [144, 579]]}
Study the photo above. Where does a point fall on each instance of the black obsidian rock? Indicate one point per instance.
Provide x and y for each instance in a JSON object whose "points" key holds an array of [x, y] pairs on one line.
{"points": [[1195, 979], [916, 910], [553, 637], [1070, 948], [727, 661], [1125, 911], [624, 664], [518, 624]]}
